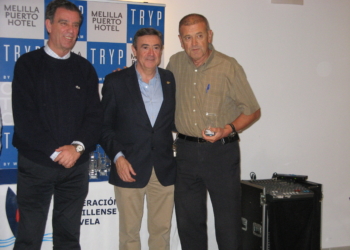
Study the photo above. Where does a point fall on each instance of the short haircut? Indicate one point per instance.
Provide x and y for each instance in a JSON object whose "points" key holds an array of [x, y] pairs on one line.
{"points": [[147, 32], [193, 18], [55, 4]]}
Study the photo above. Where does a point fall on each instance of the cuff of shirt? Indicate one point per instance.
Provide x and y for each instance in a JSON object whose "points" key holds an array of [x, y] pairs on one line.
{"points": [[54, 155], [78, 142], [117, 156]]}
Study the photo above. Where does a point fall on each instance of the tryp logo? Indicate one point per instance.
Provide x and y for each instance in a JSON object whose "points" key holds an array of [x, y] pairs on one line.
{"points": [[106, 57], [9, 155], [11, 49], [143, 16]]}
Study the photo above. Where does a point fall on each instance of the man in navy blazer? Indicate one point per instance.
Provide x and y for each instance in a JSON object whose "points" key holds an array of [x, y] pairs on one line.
{"points": [[139, 106]]}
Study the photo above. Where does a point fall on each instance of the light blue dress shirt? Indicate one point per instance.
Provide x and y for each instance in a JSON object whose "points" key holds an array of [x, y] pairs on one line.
{"points": [[152, 96]]}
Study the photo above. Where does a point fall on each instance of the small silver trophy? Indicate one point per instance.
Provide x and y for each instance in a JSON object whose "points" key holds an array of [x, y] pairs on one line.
{"points": [[211, 122]]}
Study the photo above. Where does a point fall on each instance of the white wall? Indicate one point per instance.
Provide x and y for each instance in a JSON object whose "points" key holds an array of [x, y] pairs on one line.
{"points": [[297, 59]]}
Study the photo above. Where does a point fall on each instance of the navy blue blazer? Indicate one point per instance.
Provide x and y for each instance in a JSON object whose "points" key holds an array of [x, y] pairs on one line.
{"points": [[127, 128]]}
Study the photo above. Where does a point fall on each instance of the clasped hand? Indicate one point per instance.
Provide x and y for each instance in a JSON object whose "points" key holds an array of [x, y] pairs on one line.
{"points": [[68, 156], [218, 134]]}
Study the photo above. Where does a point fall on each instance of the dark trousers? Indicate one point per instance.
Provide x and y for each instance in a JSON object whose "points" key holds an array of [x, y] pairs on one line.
{"points": [[35, 186], [215, 168]]}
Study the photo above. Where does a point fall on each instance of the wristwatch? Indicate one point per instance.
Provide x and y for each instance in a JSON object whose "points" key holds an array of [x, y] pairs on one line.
{"points": [[79, 148], [234, 132]]}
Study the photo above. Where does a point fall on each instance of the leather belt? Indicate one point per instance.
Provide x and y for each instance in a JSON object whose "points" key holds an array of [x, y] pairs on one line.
{"points": [[224, 140]]}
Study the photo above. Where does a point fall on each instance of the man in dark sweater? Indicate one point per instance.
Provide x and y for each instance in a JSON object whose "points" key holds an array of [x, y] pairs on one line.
{"points": [[58, 117]]}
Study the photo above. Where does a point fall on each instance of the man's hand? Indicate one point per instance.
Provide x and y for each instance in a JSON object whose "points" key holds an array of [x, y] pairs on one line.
{"points": [[218, 134], [125, 170], [68, 156], [242, 122]]}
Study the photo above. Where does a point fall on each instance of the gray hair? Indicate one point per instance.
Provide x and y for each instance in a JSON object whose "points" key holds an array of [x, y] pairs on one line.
{"points": [[55, 4], [146, 32], [193, 18]]}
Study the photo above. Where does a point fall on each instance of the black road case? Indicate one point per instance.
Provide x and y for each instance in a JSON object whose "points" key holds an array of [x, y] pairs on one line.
{"points": [[281, 215]]}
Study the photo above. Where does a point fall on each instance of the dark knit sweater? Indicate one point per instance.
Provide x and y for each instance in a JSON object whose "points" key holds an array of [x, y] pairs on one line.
{"points": [[55, 102]]}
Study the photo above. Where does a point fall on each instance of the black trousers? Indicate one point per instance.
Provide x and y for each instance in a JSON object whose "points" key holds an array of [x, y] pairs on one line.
{"points": [[215, 168], [35, 186]]}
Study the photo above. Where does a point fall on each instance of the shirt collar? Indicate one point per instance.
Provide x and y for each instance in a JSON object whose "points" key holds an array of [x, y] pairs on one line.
{"points": [[139, 77], [51, 53]]}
